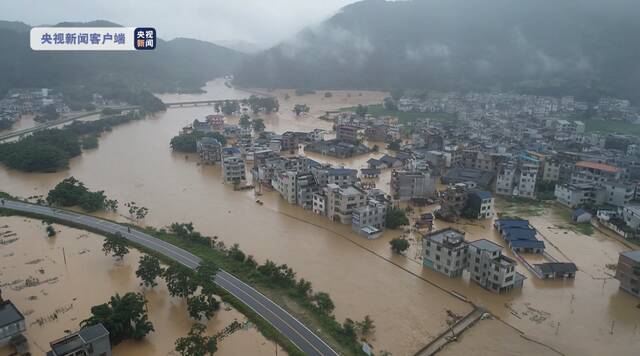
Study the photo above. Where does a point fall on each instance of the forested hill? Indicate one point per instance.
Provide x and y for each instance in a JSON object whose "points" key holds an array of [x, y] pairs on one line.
{"points": [[583, 47], [179, 64]]}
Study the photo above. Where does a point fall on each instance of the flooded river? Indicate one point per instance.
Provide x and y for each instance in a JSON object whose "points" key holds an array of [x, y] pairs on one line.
{"points": [[134, 163]]}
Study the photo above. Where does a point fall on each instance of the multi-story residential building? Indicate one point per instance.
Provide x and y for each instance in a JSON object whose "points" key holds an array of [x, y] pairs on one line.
{"points": [[289, 141], [575, 195], [369, 220], [611, 193], [306, 187], [341, 202], [285, 184], [631, 217], [233, 170], [89, 341], [11, 322], [595, 173], [628, 272], [407, 185], [347, 133], [343, 177], [517, 179], [319, 203], [453, 201], [209, 149], [445, 251], [505, 180], [490, 269], [480, 205], [551, 170]]}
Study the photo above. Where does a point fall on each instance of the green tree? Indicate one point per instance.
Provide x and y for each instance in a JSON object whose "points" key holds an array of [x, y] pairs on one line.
{"points": [[148, 270], [323, 303], [206, 272], [366, 326], [304, 287], [202, 306], [245, 123], [258, 125], [349, 329], [116, 245], [399, 245], [396, 217], [362, 110], [301, 108], [196, 343], [50, 231], [180, 281], [124, 317]]}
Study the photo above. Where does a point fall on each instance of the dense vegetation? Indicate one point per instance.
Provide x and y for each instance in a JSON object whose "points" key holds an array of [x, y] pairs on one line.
{"points": [[125, 317], [72, 192], [534, 46], [177, 65], [396, 217], [197, 343], [186, 142], [50, 150]]}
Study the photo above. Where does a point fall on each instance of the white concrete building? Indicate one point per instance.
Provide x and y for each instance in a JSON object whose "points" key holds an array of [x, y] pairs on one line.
{"points": [[445, 251], [233, 170], [490, 269]]}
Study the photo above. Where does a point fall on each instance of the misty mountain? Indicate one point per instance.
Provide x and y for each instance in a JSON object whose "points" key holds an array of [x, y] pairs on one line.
{"points": [[179, 64], [556, 47]]}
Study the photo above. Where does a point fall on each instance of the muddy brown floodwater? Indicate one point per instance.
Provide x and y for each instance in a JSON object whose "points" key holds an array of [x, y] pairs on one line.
{"points": [[134, 163], [64, 293]]}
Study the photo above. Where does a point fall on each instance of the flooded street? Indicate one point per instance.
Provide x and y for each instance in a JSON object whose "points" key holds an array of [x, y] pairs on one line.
{"points": [[65, 292], [134, 163]]}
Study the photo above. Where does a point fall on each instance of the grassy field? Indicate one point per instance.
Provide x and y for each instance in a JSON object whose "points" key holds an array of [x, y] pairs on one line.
{"points": [[405, 117]]}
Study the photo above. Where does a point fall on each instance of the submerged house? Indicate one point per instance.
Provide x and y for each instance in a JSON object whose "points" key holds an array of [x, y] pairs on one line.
{"points": [[12, 322], [89, 341]]}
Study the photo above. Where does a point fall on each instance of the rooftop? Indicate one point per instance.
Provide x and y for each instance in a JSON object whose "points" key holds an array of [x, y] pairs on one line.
{"points": [[9, 314], [598, 166], [634, 255], [486, 245]]}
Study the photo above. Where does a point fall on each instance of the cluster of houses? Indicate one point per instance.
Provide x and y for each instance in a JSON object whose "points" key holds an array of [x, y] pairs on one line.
{"points": [[504, 105], [19, 102]]}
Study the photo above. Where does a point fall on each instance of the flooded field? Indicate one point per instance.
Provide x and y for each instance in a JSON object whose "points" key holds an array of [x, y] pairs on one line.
{"points": [[409, 304], [69, 274]]}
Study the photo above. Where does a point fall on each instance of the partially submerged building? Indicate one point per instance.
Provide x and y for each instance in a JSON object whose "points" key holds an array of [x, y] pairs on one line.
{"points": [[445, 251], [12, 322], [491, 269], [89, 341], [628, 272]]}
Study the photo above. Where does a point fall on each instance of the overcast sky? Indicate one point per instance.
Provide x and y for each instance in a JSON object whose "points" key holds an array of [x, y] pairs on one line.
{"points": [[263, 22]]}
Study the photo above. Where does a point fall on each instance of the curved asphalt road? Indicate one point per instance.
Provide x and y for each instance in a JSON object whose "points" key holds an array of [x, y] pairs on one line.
{"points": [[289, 326]]}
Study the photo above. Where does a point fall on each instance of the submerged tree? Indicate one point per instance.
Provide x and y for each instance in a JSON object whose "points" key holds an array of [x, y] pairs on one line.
{"points": [[196, 343], [148, 270], [399, 245], [123, 316], [116, 245]]}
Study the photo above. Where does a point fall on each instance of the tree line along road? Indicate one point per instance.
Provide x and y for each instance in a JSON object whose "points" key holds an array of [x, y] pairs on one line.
{"points": [[307, 341]]}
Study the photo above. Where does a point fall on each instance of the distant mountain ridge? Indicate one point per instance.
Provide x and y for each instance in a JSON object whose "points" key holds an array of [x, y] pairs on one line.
{"points": [[178, 64], [554, 47]]}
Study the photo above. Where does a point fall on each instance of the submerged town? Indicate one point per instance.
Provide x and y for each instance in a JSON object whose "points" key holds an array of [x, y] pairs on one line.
{"points": [[426, 178], [321, 178]]}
